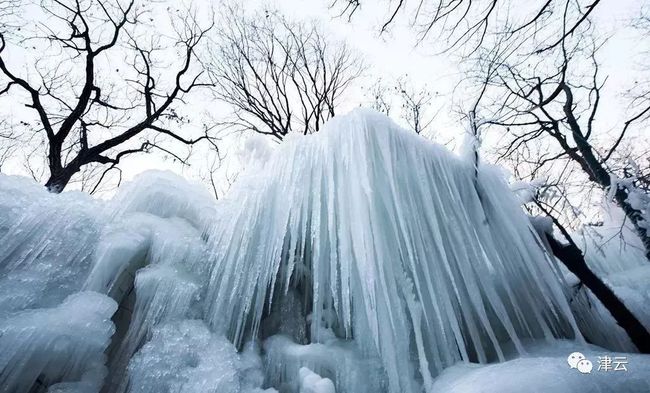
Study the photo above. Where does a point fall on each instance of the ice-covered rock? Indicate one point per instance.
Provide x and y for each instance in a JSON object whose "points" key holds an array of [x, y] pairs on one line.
{"points": [[46, 243], [185, 357]]}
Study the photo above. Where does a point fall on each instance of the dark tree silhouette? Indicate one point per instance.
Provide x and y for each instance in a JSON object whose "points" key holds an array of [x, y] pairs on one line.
{"points": [[89, 119], [560, 108]]}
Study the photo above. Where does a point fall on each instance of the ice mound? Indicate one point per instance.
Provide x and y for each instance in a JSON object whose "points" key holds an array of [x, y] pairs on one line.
{"points": [[46, 243], [336, 360], [51, 335], [41, 347], [310, 382], [364, 256], [185, 357]]}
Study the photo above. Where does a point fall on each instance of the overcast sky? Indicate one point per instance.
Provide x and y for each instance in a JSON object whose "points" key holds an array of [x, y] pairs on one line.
{"points": [[393, 54]]}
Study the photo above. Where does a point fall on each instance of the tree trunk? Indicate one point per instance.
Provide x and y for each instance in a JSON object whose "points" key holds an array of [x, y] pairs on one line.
{"points": [[59, 179], [600, 174], [573, 259], [635, 217]]}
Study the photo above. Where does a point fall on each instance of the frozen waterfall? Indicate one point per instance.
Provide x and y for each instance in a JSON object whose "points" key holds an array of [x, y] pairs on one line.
{"points": [[360, 259]]}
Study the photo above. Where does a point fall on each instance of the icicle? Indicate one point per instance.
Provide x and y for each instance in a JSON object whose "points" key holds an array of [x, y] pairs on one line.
{"points": [[162, 294]]}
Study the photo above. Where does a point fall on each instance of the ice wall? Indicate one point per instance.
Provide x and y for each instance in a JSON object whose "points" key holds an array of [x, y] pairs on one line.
{"points": [[391, 236], [362, 253]]}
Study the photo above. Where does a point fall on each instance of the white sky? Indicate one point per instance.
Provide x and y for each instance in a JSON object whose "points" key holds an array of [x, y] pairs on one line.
{"points": [[394, 54]]}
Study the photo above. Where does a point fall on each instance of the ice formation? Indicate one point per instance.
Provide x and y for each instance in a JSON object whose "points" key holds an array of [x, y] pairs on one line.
{"points": [[360, 259], [40, 347], [186, 357], [391, 238]]}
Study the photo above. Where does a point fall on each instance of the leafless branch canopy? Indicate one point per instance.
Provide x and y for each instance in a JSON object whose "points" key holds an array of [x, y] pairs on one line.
{"points": [[469, 22], [415, 103], [549, 115], [86, 114], [8, 12], [279, 76]]}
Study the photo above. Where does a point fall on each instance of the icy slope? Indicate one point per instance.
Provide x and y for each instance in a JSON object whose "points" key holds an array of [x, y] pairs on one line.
{"points": [[363, 253]]}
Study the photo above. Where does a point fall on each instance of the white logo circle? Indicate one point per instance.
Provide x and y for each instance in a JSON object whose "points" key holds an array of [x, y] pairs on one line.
{"points": [[574, 358], [585, 366]]}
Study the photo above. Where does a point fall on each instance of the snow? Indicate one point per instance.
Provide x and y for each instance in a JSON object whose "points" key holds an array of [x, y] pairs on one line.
{"points": [[359, 259], [526, 191], [545, 369], [631, 286], [613, 246], [637, 199], [310, 382], [615, 253]]}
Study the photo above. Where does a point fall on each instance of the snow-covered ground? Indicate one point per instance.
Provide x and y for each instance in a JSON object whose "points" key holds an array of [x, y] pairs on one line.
{"points": [[545, 369], [360, 259]]}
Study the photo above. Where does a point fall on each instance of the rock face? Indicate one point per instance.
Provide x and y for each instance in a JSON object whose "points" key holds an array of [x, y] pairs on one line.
{"points": [[363, 253]]}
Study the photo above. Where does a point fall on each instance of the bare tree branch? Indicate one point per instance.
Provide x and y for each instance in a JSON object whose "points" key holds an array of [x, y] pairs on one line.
{"points": [[279, 76], [559, 109], [83, 122]]}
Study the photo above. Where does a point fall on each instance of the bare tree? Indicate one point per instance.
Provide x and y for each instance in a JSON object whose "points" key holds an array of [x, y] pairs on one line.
{"points": [[562, 108], [545, 115], [8, 142], [88, 118], [379, 96], [415, 103], [572, 257], [8, 11], [279, 76]]}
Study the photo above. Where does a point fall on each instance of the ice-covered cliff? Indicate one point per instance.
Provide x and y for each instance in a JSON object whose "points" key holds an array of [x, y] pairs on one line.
{"points": [[361, 259]]}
